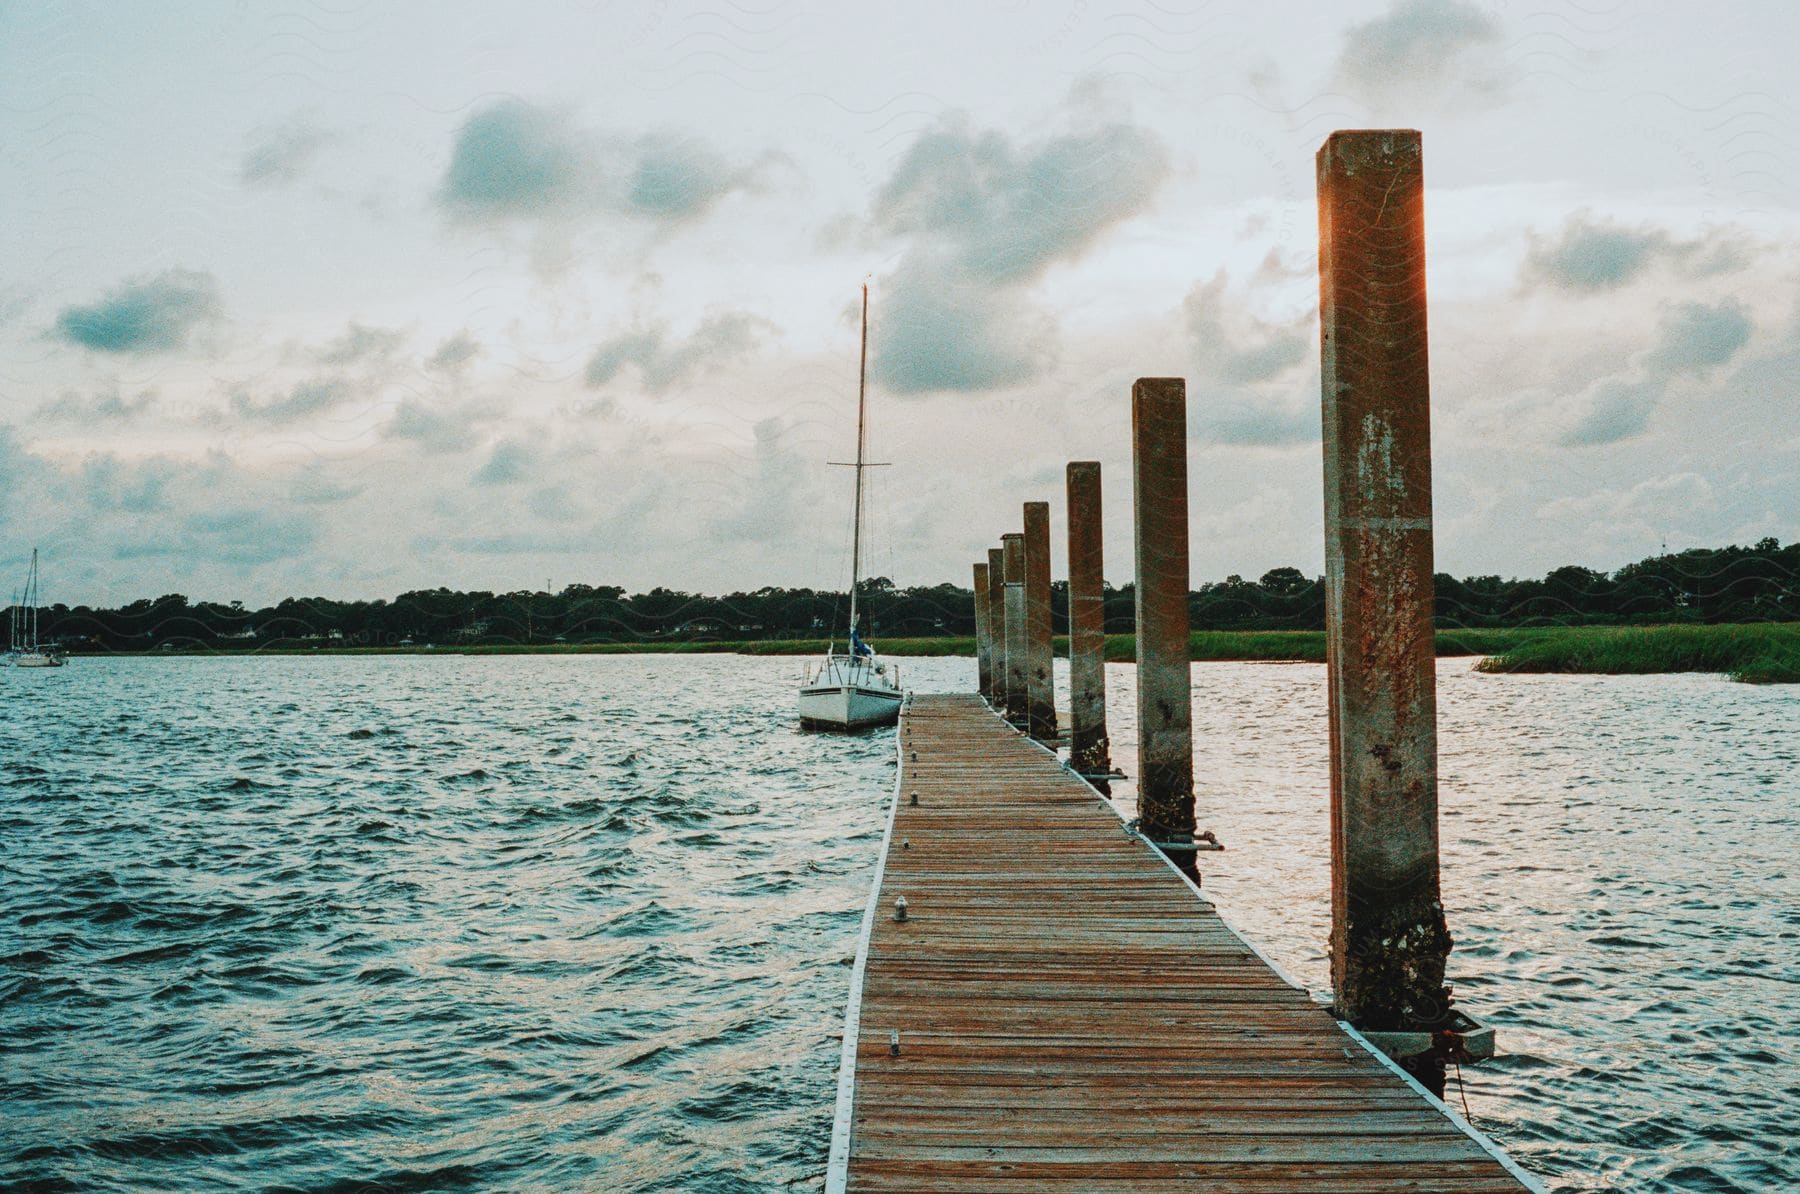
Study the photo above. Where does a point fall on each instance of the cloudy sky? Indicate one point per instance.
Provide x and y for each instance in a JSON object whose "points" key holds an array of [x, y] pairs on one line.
{"points": [[352, 298]]}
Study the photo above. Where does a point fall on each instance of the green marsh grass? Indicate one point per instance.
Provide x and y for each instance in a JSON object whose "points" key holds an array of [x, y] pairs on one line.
{"points": [[1758, 653]]}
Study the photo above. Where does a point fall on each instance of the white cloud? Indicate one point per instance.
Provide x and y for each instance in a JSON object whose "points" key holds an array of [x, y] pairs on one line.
{"points": [[313, 396], [1422, 49], [453, 353], [106, 406], [435, 427], [518, 161], [509, 463], [146, 314], [1590, 256], [360, 344], [280, 154], [1244, 387], [982, 217], [1650, 503], [1692, 340], [661, 360]]}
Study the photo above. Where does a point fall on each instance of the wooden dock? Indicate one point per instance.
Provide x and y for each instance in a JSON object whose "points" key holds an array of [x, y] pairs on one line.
{"points": [[1070, 1014]]}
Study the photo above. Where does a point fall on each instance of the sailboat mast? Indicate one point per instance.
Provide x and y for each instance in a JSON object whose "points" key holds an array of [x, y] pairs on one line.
{"points": [[32, 598], [862, 395]]}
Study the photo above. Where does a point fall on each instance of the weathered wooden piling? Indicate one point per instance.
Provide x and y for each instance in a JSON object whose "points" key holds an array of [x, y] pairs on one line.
{"points": [[1017, 661], [1389, 941], [1040, 651], [1165, 713], [984, 655], [996, 574], [1089, 750]]}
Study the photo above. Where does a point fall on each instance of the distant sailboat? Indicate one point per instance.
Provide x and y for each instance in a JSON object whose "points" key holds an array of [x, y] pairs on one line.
{"points": [[25, 649], [851, 690]]}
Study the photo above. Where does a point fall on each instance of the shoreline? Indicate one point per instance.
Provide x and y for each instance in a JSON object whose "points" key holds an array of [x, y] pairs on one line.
{"points": [[1766, 652]]}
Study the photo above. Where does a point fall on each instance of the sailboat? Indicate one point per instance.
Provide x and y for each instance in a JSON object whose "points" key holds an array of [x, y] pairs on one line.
{"points": [[25, 626], [852, 689]]}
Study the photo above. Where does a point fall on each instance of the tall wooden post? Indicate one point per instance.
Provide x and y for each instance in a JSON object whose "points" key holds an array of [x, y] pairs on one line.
{"points": [[1089, 750], [996, 579], [1017, 662], [1164, 687], [1389, 941], [1040, 651], [984, 661]]}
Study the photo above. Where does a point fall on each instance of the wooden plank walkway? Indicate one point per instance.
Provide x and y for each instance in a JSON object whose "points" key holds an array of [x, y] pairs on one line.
{"points": [[1072, 1016]]}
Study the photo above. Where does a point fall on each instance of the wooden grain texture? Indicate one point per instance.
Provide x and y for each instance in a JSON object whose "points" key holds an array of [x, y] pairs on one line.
{"points": [[1072, 1017]]}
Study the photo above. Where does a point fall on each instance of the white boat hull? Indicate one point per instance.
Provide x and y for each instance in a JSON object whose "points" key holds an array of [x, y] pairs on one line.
{"points": [[848, 706], [36, 659]]}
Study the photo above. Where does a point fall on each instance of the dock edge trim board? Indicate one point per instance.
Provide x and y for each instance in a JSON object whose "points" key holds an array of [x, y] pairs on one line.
{"points": [[1470, 1130], [1481, 1139], [837, 1166]]}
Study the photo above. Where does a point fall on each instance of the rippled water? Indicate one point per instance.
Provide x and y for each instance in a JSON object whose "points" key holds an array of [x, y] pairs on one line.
{"points": [[585, 922], [425, 923], [1621, 864]]}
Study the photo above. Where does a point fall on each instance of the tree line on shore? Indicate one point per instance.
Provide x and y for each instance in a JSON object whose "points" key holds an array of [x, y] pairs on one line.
{"points": [[1760, 583]]}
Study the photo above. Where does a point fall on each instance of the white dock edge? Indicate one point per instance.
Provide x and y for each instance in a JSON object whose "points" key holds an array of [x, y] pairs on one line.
{"points": [[837, 1165], [1468, 1129]]}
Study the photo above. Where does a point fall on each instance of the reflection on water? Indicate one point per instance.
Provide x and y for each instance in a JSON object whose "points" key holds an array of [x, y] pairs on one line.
{"points": [[566, 922]]}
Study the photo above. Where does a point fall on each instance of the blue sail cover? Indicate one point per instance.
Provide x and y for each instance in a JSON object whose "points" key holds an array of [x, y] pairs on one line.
{"points": [[858, 648]]}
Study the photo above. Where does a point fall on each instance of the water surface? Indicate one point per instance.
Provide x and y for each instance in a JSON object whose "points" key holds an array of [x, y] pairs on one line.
{"points": [[1619, 859], [565, 922]]}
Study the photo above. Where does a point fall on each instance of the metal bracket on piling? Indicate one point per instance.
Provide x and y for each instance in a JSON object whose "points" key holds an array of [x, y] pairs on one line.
{"points": [[1202, 841], [1463, 1039]]}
